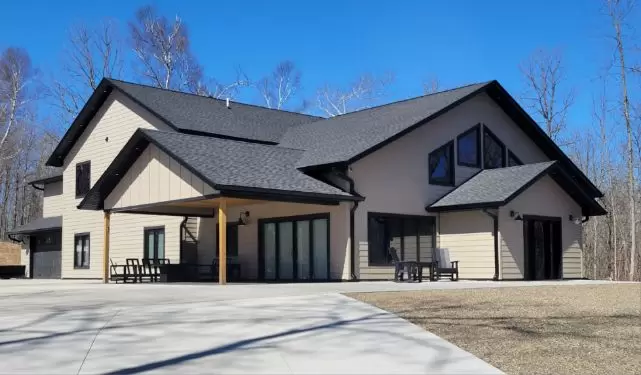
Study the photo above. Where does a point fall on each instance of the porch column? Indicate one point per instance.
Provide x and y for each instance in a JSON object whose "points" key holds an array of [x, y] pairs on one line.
{"points": [[105, 249], [222, 242]]}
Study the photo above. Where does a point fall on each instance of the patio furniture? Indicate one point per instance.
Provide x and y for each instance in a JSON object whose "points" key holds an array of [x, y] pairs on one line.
{"points": [[403, 266], [444, 266], [15, 271], [430, 266], [233, 269], [121, 272], [151, 268]]}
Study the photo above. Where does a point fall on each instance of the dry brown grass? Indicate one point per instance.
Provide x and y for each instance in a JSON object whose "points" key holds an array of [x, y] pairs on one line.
{"points": [[587, 329]]}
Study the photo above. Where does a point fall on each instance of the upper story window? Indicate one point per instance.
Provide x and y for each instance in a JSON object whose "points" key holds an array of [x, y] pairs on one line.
{"points": [[83, 178], [493, 150], [512, 160], [441, 165], [468, 148]]}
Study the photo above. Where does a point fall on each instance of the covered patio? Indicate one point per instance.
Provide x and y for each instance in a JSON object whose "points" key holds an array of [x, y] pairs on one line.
{"points": [[283, 226]]}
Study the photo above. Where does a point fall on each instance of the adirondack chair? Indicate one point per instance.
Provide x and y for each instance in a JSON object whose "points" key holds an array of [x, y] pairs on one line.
{"points": [[403, 266], [445, 267]]}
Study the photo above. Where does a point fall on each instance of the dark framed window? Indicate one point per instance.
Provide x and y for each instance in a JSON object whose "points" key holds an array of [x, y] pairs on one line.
{"points": [[512, 160], [468, 148], [412, 237], [493, 150], [154, 243], [441, 165], [81, 250], [232, 240], [83, 178]]}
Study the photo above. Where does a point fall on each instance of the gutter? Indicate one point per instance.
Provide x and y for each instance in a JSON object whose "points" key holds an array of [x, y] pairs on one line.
{"points": [[495, 220], [352, 211], [21, 240]]}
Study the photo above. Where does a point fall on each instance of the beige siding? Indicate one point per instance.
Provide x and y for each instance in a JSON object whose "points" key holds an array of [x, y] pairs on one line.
{"points": [[544, 198], [468, 236], [248, 234], [104, 137], [394, 179], [156, 177], [53, 201]]}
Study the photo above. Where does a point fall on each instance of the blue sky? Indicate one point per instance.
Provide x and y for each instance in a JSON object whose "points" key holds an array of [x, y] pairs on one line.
{"points": [[331, 41]]}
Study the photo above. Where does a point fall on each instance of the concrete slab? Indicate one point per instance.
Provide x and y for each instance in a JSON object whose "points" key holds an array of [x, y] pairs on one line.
{"points": [[80, 327]]}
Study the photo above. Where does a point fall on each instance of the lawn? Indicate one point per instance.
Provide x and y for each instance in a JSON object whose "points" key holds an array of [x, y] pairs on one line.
{"points": [[587, 329]]}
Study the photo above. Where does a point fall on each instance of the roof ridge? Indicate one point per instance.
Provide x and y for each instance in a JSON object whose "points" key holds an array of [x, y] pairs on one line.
{"points": [[222, 101], [414, 98], [213, 136]]}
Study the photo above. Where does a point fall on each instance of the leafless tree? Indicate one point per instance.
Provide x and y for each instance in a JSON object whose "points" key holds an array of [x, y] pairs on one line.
{"points": [[162, 47], [15, 74], [618, 11], [335, 101], [281, 86], [91, 54], [545, 93], [220, 90]]}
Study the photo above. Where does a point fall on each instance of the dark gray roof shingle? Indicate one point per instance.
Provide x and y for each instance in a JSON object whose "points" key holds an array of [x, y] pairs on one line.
{"points": [[208, 115], [242, 164], [47, 174], [39, 225], [492, 186], [344, 137]]}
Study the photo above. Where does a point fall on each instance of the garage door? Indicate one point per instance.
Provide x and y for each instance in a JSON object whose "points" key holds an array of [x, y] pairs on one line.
{"points": [[45, 255]]}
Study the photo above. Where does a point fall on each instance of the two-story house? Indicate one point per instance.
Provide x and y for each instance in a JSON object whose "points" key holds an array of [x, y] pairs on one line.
{"points": [[151, 173]]}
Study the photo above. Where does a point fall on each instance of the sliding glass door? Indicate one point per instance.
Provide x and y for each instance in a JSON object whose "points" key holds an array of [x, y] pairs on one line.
{"points": [[295, 248]]}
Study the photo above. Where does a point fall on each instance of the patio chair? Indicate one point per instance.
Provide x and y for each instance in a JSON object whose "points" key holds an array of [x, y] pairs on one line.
{"points": [[149, 269], [115, 274], [403, 266], [445, 267], [134, 268]]}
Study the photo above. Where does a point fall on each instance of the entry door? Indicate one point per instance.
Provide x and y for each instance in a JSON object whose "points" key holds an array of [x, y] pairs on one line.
{"points": [[45, 256], [542, 240], [295, 249]]}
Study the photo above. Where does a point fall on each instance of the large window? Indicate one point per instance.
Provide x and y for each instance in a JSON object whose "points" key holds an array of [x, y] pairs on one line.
{"points": [[83, 178], [512, 160], [441, 165], [411, 236], [468, 148], [493, 150], [81, 253], [154, 243]]}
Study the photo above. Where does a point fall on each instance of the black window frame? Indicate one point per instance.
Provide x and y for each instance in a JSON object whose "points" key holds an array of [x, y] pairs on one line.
{"points": [[431, 220], [490, 134], [83, 262], [449, 180], [83, 178], [511, 155], [230, 244], [146, 231], [476, 128]]}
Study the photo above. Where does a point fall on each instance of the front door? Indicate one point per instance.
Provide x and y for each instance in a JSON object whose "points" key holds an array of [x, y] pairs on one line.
{"points": [[295, 248], [543, 253]]}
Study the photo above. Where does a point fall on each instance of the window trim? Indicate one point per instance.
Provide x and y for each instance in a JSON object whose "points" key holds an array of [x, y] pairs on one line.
{"points": [[401, 251], [497, 140], [510, 154], [432, 180], [145, 230], [83, 194], [75, 254], [476, 128]]}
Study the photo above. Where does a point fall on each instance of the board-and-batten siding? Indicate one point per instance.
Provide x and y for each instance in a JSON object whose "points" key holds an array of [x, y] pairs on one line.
{"points": [[544, 198], [468, 236], [106, 134], [156, 177], [53, 200], [394, 179]]}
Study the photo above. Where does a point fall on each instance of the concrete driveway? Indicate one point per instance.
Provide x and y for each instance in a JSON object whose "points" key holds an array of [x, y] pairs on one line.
{"points": [[67, 327]]}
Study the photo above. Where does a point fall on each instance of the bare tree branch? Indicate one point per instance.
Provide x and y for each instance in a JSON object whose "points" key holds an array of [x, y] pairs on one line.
{"points": [[360, 94], [280, 86]]}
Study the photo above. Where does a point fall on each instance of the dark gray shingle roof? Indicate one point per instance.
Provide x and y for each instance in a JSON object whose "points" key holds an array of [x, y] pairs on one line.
{"points": [[242, 164], [39, 225], [207, 115], [492, 186], [342, 138], [47, 174]]}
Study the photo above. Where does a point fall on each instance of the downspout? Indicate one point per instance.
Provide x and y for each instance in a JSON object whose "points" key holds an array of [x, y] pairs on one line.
{"points": [[37, 188], [495, 220], [352, 212], [183, 225]]}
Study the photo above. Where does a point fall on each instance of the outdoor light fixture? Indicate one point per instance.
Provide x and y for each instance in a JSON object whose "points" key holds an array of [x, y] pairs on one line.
{"points": [[516, 216], [574, 219], [243, 218]]}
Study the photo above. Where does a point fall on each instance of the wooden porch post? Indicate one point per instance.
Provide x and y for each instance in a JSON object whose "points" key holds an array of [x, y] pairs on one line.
{"points": [[222, 242], [105, 249]]}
